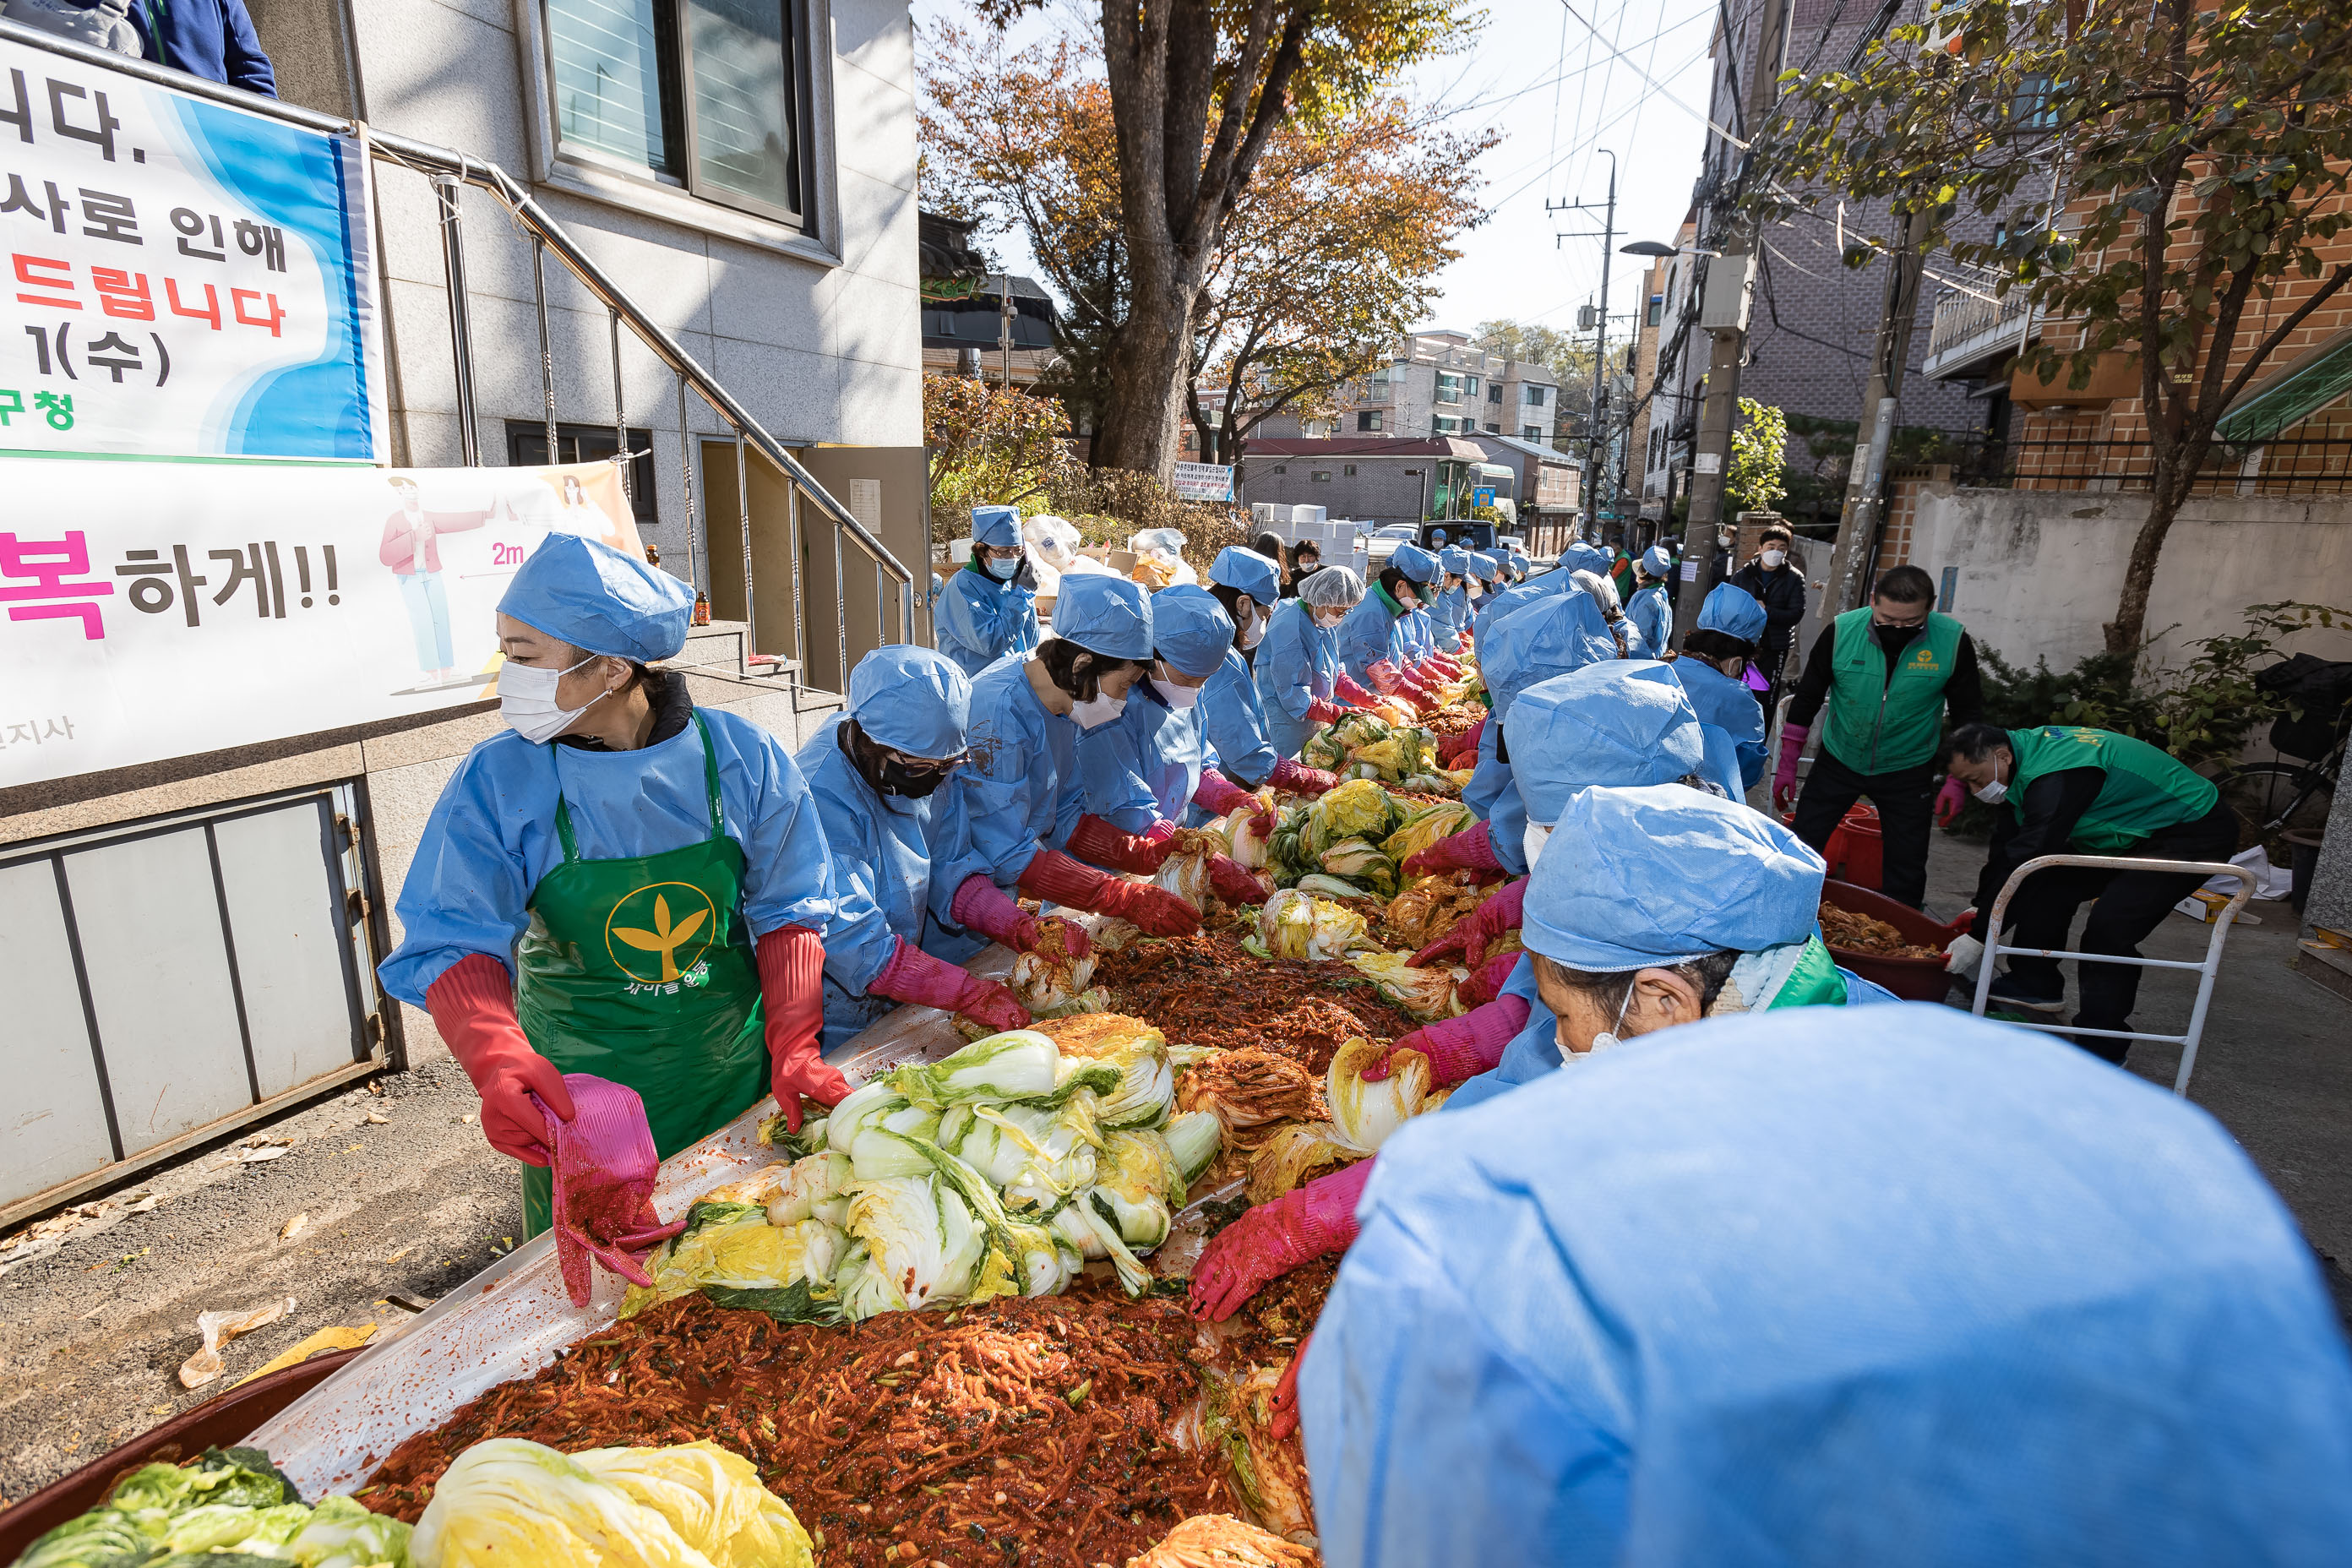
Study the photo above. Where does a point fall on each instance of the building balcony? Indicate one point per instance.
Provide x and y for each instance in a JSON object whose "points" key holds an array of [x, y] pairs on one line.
{"points": [[1971, 335]]}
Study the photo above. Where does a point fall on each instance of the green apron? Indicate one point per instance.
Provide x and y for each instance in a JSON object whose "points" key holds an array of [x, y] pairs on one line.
{"points": [[639, 970]]}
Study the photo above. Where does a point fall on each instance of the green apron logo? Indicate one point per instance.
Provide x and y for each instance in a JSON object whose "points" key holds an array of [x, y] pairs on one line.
{"points": [[642, 921]]}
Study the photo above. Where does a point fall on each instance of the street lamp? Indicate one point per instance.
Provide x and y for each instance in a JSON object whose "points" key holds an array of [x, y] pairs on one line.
{"points": [[1646, 247]]}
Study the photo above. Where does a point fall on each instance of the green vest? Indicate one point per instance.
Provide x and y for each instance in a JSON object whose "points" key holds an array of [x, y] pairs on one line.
{"points": [[2147, 791], [1879, 725]]}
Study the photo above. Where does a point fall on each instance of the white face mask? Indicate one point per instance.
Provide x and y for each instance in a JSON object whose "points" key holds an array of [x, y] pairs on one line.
{"points": [[1531, 842], [1177, 697], [1772, 558], [1330, 619], [1994, 791], [1606, 1040], [527, 700], [1098, 710]]}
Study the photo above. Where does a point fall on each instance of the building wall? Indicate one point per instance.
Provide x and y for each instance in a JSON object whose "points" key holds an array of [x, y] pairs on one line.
{"points": [[1407, 400], [2038, 573], [1380, 491]]}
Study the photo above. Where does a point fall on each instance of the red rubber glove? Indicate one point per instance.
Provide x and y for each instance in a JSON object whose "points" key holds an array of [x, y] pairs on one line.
{"points": [[472, 1005], [1270, 1240], [914, 975], [1454, 749], [1345, 688], [1444, 663], [1784, 779], [791, 962], [1222, 795], [1283, 1420], [1323, 710], [605, 1165], [1502, 911], [1461, 1048], [1236, 883], [1301, 780], [1487, 981], [1471, 849], [1387, 679], [1053, 875], [1951, 801], [981, 905], [1098, 842]]}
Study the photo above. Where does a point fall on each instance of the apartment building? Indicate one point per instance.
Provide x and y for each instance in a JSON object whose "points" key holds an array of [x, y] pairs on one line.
{"points": [[1441, 385]]}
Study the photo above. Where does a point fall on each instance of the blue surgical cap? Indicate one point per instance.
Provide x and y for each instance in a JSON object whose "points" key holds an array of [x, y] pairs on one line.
{"points": [[1583, 557], [1247, 572], [911, 700], [1618, 724], [1550, 634], [1415, 562], [600, 600], [1518, 563], [1455, 560], [1483, 566], [998, 526], [1657, 560], [1189, 629], [1105, 615], [1662, 875], [1733, 611]]}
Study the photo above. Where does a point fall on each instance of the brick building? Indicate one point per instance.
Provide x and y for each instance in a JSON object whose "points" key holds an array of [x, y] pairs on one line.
{"points": [[1369, 479]]}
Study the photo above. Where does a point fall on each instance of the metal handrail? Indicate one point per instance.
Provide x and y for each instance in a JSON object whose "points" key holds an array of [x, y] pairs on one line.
{"points": [[2208, 968], [427, 158]]}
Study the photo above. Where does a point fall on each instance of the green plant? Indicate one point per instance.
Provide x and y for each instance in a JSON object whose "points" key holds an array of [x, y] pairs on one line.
{"points": [[1760, 458], [990, 444]]}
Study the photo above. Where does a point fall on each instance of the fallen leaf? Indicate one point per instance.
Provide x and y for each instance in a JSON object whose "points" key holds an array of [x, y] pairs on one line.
{"points": [[378, 1119], [335, 1338], [403, 1252], [354, 1148], [256, 1155], [218, 1329], [144, 1202], [293, 1228]]}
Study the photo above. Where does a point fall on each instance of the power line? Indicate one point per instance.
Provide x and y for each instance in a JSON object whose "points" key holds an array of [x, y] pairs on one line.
{"points": [[1655, 84]]}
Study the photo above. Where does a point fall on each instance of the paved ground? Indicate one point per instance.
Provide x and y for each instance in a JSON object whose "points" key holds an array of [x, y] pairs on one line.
{"points": [[92, 1331]]}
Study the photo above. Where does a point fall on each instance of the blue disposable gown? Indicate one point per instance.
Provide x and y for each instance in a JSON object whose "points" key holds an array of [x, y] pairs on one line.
{"points": [[1021, 786], [980, 620], [1371, 632], [1241, 743], [1653, 612], [491, 836], [1495, 606], [1143, 766], [1297, 662], [1449, 615], [1420, 638], [1926, 1290], [897, 864], [1727, 706], [1492, 794]]}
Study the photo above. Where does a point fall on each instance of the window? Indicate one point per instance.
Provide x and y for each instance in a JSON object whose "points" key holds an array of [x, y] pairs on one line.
{"points": [[1282, 467], [1449, 387], [1493, 428], [1446, 425], [707, 94], [1531, 433], [1367, 420], [527, 448], [1533, 396], [1319, 477], [1493, 392], [1349, 470], [1657, 308]]}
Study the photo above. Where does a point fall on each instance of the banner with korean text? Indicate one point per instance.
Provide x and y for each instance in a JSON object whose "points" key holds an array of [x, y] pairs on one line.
{"points": [[161, 610], [183, 279]]}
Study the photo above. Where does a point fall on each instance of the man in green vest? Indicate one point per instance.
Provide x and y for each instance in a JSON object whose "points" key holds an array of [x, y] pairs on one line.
{"points": [[1888, 673], [2071, 790]]}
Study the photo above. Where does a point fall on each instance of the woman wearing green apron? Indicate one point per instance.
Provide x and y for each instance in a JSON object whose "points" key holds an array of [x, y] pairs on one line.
{"points": [[620, 885]]}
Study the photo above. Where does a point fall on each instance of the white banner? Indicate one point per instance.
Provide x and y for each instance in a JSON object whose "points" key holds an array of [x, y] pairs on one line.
{"points": [[166, 609], [1203, 481], [183, 278]]}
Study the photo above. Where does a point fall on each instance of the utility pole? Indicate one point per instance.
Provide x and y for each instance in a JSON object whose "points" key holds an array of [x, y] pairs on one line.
{"points": [[1719, 409], [1597, 424], [1865, 483]]}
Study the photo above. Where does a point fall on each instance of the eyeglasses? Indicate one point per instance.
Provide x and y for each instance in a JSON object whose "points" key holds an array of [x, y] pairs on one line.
{"points": [[928, 767]]}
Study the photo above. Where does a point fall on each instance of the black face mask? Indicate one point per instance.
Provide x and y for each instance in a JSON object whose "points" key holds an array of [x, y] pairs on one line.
{"points": [[898, 779], [885, 774], [1894, 640]]}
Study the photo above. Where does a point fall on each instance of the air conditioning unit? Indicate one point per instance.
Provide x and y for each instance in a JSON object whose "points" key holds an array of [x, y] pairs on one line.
{"points": [[1728, 291]]}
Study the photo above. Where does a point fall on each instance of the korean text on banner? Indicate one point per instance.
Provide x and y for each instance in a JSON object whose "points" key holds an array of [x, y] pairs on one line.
{"points": [[159, 610], [183, 279], [1203, 481]]}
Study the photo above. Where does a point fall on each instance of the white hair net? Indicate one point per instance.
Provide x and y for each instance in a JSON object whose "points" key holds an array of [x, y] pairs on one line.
{"points": [[1332, 588]]}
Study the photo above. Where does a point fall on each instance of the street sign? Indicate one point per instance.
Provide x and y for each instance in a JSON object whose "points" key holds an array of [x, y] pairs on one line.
{"points": [[1483, 496], [1203, 481]]}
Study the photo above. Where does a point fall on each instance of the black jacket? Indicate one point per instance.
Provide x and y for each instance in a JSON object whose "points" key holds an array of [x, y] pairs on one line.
{"points": [[1782, 595]]}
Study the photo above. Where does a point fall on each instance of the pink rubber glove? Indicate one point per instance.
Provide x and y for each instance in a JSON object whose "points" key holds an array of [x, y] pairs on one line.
{"points": [[1784, 779], [1270, 1240], [1301, 780], [1221, 794], [1485, 983], [1346, 689], [605, 1172], [914, 975], [1472, 849], [1461, 1048], [1098, 842], [791, 965], [1951, 801], [981, 905], [1235, 883], [1502, 911]]}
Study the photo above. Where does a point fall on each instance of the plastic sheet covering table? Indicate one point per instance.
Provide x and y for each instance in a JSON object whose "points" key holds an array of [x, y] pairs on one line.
{"points": [[512, 1318]]}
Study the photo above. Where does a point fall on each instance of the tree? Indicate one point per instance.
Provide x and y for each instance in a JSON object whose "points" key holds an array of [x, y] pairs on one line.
{"points": [[1197, 91], [1325, 262], [2168, 176], [1760, 458], [1567, 358], [989, 444]]}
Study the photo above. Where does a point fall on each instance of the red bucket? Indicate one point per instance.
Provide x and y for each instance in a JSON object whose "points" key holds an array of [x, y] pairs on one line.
{"points": [[1856, 852], [1913, 979]]}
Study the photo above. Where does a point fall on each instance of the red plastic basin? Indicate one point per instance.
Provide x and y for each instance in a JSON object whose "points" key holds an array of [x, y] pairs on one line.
{"points": [[1913, 979]]}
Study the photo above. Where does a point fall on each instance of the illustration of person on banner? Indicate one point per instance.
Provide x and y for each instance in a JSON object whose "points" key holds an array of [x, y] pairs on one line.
{"points": [[412, 548]]}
